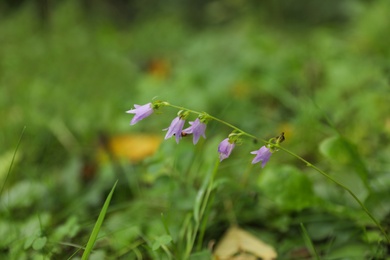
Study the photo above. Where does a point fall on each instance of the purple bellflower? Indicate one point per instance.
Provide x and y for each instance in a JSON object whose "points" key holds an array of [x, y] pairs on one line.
{"points": [[263, 155], [197, 128], [225, 148], [140, 112], [175, 128]]}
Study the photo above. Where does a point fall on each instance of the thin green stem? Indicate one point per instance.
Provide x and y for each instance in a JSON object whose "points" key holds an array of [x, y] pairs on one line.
{"points": [[216, 119], [299, 158], [340, 185]]}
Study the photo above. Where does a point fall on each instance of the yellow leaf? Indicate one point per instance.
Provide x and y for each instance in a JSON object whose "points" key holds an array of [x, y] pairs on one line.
{"points": [[237, 244], [159, 68], [134, 147], [241, 90]]}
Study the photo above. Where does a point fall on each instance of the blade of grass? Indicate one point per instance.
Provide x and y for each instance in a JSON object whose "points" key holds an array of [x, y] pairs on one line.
{"points": [[309, 243], [72, 245], [12, 161], [98, 224], [164, 221]]}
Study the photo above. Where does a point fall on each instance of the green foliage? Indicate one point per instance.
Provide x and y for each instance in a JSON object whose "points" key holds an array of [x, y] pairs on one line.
{"points": [[288, 187], [309, 243], [319, 73], [92, 239], [161, 241]]}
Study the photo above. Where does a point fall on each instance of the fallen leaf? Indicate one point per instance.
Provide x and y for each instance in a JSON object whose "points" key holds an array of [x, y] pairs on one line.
{"points": [[159, 68], [135, 147], [237, 244], [241, 90]]}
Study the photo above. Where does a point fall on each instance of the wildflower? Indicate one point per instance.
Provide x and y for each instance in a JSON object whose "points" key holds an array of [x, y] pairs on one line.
{"points": [[175, 128], [263, 155], [197, 128], [140, 112], [225, 148]]}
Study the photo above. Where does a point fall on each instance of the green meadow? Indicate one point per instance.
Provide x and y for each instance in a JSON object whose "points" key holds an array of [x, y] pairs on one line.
{"points": [[77, 181]]}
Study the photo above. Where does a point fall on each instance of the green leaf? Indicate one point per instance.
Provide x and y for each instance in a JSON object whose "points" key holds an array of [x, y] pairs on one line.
{"points": [[198, 204], [219, 182], [334, 149], [161, 241], [28, 242], [342, 151], [288, 187], [68, 229], [24, 194], [39, 243], [200, 199], [165, 239], [205, 254], [352, 250], [98, 224]]}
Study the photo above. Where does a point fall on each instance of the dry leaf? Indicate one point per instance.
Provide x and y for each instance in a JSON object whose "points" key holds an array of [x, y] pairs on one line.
{"points": [[134, 147], [237, 244], [159, 68], [241, 90]]}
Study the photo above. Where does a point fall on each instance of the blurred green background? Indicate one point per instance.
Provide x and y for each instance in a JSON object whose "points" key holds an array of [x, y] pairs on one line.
{"points": [[317, 70]]}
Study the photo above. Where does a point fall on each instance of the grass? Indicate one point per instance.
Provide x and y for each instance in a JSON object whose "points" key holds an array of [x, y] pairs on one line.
{"points": [[325, 86], [92, 239], [12, 161]]}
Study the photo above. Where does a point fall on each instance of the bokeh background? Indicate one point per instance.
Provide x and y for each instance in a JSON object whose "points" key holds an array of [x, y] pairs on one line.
{"points": [[317, 70]]}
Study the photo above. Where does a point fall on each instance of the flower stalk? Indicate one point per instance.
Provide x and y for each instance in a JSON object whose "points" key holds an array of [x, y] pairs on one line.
{"points": [[227, 145]]}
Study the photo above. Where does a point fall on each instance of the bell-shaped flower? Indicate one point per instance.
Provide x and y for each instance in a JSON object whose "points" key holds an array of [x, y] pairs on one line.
{"points": [[263, 155], [225, 148], [175, 128], [197, 128], [140, 112]]}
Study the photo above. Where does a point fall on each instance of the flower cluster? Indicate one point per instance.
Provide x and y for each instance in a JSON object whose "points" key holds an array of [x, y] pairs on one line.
{"points": [[198, 127]]}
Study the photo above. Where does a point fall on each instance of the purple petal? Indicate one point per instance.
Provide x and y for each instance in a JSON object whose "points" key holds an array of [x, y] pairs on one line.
{"points": [[225, 148], [175, 128], [140, 112], [197, 128], [263, 155]]}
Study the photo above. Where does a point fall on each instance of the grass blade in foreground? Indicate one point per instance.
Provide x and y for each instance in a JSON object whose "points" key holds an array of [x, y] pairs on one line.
{"points": [[12, 161], [309, 243], [98, 224]]}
